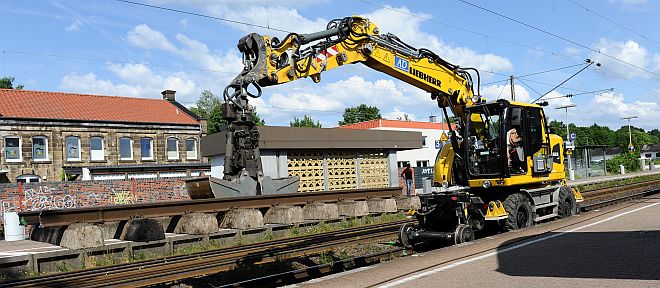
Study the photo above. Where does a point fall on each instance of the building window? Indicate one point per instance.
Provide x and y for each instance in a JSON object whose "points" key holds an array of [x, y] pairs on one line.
{"points": [[39, 148], [423, 163], [172, 148], [73, 148], [147, 148], [424, 141], [96, 151], [13, 149], [402, 164], [125, 148], [191, 148], [29, 178]]}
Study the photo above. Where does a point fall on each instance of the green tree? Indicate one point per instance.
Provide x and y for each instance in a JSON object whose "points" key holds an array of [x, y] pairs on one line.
{"points": [[656, 133], [360, 113], [306, 121], [209, 107], [8, 83]]}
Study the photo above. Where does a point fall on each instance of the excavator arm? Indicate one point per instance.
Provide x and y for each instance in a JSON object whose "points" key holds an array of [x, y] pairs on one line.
{"points": [[270, 61]]}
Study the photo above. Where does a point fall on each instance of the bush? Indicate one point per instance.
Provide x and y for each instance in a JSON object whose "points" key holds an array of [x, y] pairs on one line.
{"points": [[628, 160]]}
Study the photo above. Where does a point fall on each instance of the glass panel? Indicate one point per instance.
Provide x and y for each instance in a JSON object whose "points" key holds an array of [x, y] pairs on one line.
{"points": [[12, 149], [96, 148], [125, 148], [73, 148], [191, 148], [145, 148], [484, 140], [172, 149], [39, 148]]}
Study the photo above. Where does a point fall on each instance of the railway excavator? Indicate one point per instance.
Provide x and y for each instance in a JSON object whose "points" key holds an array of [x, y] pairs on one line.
{"points": [[502, 166]]}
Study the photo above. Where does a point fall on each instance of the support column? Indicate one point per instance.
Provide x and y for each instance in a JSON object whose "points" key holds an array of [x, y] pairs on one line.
{"points": [[393, 170], [357, 169]]}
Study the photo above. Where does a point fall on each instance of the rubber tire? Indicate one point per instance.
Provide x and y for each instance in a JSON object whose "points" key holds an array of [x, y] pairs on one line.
{"points": [[403, 235], [567, 204], [463, 233], [513, 204]]}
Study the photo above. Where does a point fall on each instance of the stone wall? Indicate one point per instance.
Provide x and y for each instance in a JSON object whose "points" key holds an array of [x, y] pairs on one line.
{"points": [[56, 133], [77, 194]]}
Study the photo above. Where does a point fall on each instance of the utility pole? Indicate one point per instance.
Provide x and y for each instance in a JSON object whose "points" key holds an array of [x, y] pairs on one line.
{"points": [[513, 89], [571, 172], [631, 147]]}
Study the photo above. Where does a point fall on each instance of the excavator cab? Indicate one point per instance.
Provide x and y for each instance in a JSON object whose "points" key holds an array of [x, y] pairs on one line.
{"points": [[506, 139]]}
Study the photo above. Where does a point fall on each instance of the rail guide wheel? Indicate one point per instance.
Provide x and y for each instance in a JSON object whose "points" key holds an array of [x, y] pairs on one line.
{"points": [[404, 235], [463, 233]]}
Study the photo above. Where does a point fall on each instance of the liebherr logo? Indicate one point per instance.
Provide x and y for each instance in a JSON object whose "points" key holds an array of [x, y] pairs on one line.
{"points": [[424, 76]]}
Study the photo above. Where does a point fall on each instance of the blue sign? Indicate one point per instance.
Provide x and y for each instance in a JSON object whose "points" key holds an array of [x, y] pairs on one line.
{"points": [[400, 63], [571, 136], [438, 144]]}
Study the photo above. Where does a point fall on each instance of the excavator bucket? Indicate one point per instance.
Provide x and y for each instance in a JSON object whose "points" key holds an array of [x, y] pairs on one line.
{"points": [[246, 186]]}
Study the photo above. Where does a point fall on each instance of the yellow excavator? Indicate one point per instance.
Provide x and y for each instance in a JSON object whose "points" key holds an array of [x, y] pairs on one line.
{"points": [[503, 164]]}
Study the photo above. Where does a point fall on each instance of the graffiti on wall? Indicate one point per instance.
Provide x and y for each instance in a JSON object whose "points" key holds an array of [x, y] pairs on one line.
{"points": [[122, 197], [41, 198]]}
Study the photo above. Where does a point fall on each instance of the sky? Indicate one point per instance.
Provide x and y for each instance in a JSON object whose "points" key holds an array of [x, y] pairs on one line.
{"points": [[111, 47]]}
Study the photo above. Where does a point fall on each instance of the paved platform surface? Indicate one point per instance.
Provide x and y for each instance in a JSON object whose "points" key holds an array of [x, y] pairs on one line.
{"points": [[24, 247], [617, 246]]}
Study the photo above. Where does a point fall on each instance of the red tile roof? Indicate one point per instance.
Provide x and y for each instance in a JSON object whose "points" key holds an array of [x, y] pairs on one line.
{"points": [[68, 106], [377, 123]]}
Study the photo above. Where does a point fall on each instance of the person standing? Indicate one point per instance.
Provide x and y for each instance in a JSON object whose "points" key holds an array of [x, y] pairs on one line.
{"points": [[407, 174]]}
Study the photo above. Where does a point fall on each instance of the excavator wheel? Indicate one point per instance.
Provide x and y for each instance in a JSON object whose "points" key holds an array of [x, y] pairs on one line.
{"points": [[404, 231], [520, 210], [567, 205], [464, 233]]}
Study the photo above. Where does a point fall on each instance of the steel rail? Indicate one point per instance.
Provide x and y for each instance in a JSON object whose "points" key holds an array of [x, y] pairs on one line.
{"points": [[149, 272], [100, 214]]}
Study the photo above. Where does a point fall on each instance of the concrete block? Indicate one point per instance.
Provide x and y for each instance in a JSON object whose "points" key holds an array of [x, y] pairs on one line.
{"points": [[16, 266], [350, 208], [197, 224], [284, 215], [321, 211], [52, 235], [142, 230], [408, 203], [242, 219], [382, 205], [110, 230], [82, 235], [58, 261]]}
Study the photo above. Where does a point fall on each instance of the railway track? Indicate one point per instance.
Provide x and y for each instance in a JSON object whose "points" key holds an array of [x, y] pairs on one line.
{"points": [[168, 269]]}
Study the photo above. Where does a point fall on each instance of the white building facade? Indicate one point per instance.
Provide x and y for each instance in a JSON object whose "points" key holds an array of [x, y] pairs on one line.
{"points": [[431, 139]]}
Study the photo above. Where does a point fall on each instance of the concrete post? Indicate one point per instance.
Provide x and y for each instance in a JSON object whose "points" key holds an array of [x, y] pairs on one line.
{"points": [[643, 162], [623, 169], [393, 170]]}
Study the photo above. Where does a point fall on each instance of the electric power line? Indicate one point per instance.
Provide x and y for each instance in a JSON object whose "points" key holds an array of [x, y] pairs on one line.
{"points": [[558, 36], [650, 40], [203, 15]]}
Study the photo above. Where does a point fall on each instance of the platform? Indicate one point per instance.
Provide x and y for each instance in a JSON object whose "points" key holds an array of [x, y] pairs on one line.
{"points": [[617, 246]]}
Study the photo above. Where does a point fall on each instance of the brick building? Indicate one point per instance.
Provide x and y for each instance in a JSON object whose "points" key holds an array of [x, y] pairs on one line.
{"points": [[42, 132]]}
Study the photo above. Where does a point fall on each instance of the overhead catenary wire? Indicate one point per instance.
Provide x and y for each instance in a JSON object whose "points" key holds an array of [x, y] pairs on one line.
{"points": [[649, 39], [558, 37], [203, 15]]}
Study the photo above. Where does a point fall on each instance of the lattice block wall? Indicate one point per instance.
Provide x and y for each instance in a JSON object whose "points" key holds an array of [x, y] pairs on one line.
{"points": [[373, 169], [342, 172], [308, 164]]}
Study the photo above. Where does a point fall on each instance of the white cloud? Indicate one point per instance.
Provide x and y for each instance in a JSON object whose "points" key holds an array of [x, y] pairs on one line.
{"points": [[193, 50], [494, 92], [398, 114], [609, 108], [144, 37], [630, 52], [140, 82], [75, 26], [411, 33], [572, 51]]}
